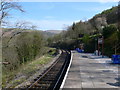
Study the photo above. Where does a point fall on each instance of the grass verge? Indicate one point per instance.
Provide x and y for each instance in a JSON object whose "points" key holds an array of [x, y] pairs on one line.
{"points": [[25, 71]]}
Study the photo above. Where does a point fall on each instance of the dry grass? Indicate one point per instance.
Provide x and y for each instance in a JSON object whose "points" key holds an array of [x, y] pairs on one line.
{"points": [[26, 70]]}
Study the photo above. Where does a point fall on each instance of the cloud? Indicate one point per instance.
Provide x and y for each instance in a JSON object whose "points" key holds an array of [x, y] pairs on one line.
{"points": [[51, 24], [101, 8], [44, 24], [47, 23]]}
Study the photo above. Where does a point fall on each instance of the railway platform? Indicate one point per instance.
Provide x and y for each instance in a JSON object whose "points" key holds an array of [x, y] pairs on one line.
{"points": [[87, 71]]}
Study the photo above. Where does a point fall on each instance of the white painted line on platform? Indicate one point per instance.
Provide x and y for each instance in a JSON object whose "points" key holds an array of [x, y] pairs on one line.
{"points": [[66, 72]]}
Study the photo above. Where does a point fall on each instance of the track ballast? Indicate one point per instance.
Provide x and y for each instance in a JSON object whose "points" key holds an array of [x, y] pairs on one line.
{"points": [[52, 78]]}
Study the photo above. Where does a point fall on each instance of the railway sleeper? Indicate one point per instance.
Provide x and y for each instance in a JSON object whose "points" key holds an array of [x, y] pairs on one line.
{"points": [[45, 82], [48, 79]]}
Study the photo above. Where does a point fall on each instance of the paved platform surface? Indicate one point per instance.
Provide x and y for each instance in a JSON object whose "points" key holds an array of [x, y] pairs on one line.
{"points": [[89, 71]]}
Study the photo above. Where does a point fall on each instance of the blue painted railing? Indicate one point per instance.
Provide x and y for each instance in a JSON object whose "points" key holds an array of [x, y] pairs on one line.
{"points": [[79, 50], [116, 59]]}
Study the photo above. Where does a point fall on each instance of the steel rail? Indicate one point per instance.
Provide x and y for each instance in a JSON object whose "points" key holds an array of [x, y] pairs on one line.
{"points": [[47, 72], [63, 69]]}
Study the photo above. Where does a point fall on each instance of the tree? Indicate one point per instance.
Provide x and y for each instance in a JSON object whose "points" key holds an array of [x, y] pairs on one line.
{"points": [[6, 7], [109, 30], [73, 26], [24, 25]]}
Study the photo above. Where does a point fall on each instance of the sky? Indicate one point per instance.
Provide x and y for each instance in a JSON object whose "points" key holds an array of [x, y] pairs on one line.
{"points": [[58, 15]]}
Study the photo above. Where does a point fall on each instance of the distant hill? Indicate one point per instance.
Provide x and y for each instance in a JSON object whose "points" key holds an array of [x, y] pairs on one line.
{"points": [[54, 31], [47, 34], [13, 31]]}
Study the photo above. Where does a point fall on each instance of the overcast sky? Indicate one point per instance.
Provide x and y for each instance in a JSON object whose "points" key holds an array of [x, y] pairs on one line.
{"points": [[58, 15]]}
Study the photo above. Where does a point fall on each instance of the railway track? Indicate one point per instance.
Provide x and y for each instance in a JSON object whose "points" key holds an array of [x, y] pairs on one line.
{"points": [[52, 78]]}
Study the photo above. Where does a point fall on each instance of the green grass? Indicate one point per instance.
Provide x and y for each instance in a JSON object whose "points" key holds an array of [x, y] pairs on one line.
{"points": [[35, 65], [26, 70]]}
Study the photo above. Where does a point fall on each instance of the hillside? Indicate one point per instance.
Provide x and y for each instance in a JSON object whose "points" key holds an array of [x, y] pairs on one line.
{"points": [[54, 31], [109, 16], [47, 34], [20, 48], [96, 23], [103, 24], [13, 31]]}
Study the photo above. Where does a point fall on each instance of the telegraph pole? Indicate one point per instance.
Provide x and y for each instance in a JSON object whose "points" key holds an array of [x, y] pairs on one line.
{"points": [[102, 46], [101, 41], [98, 46]]}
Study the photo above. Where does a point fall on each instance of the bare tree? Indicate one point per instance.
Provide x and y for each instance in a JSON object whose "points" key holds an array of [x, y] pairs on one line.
{"points": [[21, 26], [24, 25], [6, 6]]}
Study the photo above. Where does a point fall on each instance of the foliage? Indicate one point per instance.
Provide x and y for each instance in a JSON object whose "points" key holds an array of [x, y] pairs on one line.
{"points": [[109, 30], [29, 45], [86, 39], [22, 48], [89, 31], [24, 71], [111, 42]]}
